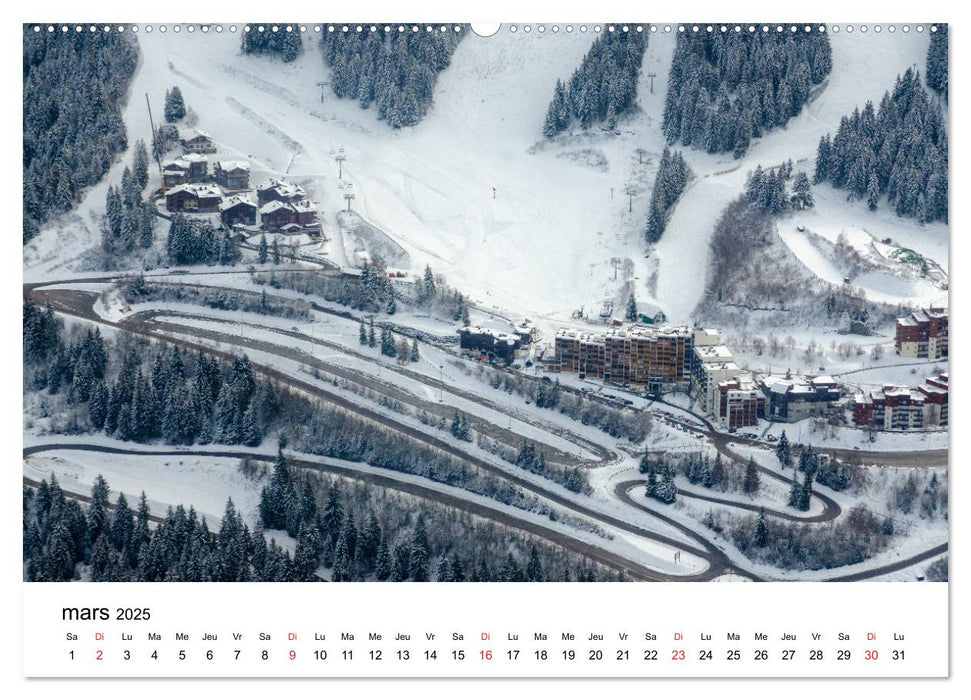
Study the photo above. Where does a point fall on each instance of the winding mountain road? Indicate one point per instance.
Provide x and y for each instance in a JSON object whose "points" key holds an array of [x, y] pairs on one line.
{"points": [[405, 483], [80, 304]]}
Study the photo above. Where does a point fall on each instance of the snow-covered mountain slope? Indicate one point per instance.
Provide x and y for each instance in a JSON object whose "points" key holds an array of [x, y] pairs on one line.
{"points": [[864, 67], [533, 227], [531, 231]]}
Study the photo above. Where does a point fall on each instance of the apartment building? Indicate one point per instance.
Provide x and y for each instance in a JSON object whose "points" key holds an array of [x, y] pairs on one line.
{"points": [[740, 402], [712, 364], [653, 357], [923, 334]]}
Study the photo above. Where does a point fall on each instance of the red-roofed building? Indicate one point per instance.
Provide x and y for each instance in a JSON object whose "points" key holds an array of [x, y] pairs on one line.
{"points": [[902, 408], [923, 334]]}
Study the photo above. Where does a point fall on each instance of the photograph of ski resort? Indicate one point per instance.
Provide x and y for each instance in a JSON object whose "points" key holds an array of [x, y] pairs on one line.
{"points": [[610, 302]]}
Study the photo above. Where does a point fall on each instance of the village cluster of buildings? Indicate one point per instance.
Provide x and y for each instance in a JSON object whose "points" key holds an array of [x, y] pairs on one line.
{"points": [[663, 358], [736, 398], [191, 188], [921, 335]]}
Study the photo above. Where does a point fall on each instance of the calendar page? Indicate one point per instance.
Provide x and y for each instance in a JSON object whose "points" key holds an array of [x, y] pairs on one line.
{"points": [[539, 349]]}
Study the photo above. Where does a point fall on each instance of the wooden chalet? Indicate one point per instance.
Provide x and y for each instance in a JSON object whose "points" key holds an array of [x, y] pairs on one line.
{"points": [[175, 172], [198, 167], [194, 199], [201, 142], [238, 210], [232, 174], [279, 191], [275, 215]]}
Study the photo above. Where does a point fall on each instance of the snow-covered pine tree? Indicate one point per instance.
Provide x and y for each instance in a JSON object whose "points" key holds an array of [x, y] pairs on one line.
{"points": [[806, 491], [631, 313], [387, 342], [651, 489], [666, 491], [750, 484], [418, 554], [795, 494], [802, 196], [761, 532], [140, 165], [113, 218], [783, 452], [717, 471], [427, 289], [174, 105]]}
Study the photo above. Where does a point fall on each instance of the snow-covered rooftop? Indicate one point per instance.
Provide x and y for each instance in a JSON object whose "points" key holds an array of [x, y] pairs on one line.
{"points": [[234, 200], [713, 353], [284, 189], [270, 207], [198, 189], [304, 206], [230, 165]]}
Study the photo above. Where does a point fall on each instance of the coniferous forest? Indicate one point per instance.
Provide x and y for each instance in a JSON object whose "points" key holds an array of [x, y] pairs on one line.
{"points": [[897, 150], [769, 189], [672, 177], [135, 391], [937, 61], [129, 222], [602, 88], [726, 88], [395, 72], [74, 88], [197, 242], [286, 44], [64, 540], [356, 531]]}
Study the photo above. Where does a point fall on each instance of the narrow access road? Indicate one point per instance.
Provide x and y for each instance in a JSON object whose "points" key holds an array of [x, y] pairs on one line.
{"points": [[393, 480]]}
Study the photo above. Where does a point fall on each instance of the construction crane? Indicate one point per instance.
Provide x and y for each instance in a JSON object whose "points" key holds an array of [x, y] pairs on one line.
{"points": [[155, 146]]}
